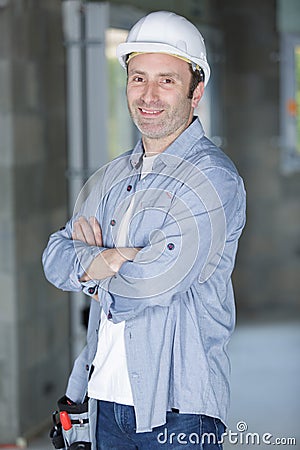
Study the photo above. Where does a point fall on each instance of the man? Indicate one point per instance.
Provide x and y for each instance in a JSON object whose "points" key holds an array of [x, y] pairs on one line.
{"points": [[154, 245]]}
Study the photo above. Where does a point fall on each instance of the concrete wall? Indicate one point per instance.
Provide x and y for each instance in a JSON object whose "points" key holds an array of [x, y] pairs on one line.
{"points": [[34, 347], [267, 275]]}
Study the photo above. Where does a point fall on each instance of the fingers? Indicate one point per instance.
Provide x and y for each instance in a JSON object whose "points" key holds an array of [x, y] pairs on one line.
{"points": [[78, 230], [97, 231], [87, 231]]}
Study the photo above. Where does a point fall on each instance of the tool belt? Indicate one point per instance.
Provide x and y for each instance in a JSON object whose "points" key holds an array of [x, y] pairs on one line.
{"points": [[71, 428]]}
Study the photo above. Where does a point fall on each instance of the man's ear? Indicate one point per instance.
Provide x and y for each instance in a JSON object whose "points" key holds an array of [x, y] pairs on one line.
{"points": [[197, 94]]}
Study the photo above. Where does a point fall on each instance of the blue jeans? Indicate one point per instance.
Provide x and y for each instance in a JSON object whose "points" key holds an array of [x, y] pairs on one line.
{"points": [[116, 430]]}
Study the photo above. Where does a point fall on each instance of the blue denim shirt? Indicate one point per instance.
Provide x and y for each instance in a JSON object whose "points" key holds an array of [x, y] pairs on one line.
{"points": [[176, 297]]}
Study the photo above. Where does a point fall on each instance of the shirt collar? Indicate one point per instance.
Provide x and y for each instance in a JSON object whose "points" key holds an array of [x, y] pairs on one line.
{"points": [[177, 151]]}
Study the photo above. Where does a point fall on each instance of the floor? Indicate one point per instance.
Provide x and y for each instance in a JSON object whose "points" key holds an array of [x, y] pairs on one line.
{"points": [[265, 405], [265, 386]]}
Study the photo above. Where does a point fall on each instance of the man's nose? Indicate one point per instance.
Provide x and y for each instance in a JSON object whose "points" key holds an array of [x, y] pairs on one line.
{"points": [[150, 92]]}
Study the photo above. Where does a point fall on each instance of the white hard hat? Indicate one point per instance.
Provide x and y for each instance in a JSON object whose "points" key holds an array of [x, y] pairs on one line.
{"points": [[166, 32]]}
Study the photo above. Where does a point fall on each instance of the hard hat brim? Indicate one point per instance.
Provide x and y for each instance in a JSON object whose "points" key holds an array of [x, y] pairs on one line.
{"points": [[126, 48]]}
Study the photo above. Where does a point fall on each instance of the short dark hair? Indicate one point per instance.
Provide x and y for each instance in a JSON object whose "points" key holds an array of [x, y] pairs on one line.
{"points": [[197, 77]]}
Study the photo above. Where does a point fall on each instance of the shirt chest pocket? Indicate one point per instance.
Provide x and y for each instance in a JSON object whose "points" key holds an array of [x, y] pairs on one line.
{"points": [[149, 214]]}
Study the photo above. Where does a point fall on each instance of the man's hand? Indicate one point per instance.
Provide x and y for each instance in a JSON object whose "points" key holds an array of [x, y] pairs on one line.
{"points": [[108, 262], [87, 231]]}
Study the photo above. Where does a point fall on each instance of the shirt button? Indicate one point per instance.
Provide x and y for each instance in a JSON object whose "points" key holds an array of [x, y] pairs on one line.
{"points": [[171, 246], [91, 290], [87, 367], [113, 222], [129, 187]]}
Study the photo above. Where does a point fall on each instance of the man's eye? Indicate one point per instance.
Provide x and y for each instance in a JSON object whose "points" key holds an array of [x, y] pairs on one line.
{"points": [[138, 79], [167, 81]]}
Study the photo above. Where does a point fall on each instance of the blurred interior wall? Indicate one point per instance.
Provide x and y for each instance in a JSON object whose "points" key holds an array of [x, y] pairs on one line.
{"points": [[267, 278], [34, 330]]}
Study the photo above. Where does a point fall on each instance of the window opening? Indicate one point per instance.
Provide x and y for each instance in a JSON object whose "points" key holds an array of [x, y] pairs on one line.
{"points": [[120, 127], [290, 103]]}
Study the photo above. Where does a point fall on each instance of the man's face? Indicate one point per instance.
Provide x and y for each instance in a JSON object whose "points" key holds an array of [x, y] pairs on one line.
{"points": [[157, 94]]}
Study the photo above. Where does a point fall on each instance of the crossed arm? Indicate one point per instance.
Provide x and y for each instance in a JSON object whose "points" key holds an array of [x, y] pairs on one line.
{"points": [[108, 262]]}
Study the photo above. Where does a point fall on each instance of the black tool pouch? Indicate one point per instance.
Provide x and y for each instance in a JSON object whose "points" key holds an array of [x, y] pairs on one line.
{"points": [[77, 437], [56, 435]]}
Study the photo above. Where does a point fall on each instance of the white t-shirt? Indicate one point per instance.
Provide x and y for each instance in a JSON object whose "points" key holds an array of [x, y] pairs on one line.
{"points": [[110, 380]]}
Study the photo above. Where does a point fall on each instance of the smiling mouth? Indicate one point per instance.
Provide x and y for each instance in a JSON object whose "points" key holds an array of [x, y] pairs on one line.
{"points": [[150, 112]]}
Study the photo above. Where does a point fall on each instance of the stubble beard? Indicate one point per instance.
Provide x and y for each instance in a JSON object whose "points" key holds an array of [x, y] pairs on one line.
{"points": [[172, 120]]}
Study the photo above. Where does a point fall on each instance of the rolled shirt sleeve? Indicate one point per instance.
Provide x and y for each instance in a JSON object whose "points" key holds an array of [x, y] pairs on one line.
{"points": [[65, 261]]}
